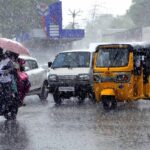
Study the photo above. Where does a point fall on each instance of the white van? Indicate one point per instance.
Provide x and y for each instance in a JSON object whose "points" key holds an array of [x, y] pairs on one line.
{"points": [[70, 75]]}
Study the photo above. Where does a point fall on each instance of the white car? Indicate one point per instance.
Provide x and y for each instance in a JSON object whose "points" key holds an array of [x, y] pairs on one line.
{"points": [[37, 77], [71, 75]]}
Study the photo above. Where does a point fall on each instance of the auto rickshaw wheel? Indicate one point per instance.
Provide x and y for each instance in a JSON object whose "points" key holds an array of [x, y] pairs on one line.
{"points": [[109, 102]]}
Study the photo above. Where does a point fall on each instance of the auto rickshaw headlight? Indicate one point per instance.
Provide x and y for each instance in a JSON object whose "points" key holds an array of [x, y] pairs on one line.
{"points": [[123, 77], [97, 78]]}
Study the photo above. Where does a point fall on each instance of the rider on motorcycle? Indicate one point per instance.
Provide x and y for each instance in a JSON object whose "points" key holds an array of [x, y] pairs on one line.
{"points": [[20, 77], [8, 94]]}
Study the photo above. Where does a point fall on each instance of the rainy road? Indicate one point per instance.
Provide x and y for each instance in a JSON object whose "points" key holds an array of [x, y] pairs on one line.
{"points": [[44, 126]]}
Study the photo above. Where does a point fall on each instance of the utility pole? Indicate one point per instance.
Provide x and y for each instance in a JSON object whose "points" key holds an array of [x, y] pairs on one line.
{"points": [[94, 11], [98, 8], [74, 14]]}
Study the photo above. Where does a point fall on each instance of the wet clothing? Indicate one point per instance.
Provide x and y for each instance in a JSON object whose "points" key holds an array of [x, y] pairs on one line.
{"points": [[17, 80], [7, 93], [8, 66], [7, 77], [5, 68], [6, 96], [23, 85]]}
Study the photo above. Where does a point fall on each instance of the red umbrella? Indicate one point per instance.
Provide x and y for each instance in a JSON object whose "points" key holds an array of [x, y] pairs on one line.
{"points": [[13, 46]]}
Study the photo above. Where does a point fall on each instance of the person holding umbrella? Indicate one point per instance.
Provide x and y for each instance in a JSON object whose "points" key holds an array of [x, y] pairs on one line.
{"points": [[15, 49], [8, 94], [20, 77]]}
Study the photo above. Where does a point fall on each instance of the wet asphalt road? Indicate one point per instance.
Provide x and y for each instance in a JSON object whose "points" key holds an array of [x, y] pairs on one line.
{"points": [[44, 126]]}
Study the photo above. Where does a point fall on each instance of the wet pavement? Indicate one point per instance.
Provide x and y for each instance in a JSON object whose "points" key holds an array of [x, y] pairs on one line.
{"points": [[44, 126]]}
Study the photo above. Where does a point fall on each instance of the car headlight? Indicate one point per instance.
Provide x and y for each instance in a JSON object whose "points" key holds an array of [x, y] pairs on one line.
{"points": [[124, 77], [52, 77], [84, 77]]}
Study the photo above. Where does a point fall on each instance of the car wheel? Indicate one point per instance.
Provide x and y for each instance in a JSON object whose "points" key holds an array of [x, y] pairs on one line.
{"points": [[44, 92], [92, 97], [81, 100], [57, 99]]}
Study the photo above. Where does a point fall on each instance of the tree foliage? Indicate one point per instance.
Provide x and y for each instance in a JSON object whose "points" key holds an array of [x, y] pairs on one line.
{"points": [[122, 22], [94, 28], [106, 24], [18, 16], [140, 12]]}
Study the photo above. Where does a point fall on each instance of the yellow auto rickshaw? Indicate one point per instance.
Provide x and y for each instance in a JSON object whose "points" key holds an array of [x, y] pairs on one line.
{"points": [[121, 73]]}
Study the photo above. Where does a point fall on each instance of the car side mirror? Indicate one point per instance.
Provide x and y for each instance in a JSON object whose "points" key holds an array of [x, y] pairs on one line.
{"points": [[26, 68], [49, 64]]}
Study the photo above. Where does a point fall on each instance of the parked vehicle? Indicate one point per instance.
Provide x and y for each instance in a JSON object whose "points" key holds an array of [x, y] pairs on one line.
{"points": [[37, 77], [70, 75], [121, 73]]}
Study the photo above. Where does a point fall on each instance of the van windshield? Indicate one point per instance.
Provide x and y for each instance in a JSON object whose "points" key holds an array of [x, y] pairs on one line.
{"points": [[72, 60], [112, 57]]}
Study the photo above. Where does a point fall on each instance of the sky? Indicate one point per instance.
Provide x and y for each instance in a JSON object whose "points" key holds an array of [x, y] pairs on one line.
{"points": [[114, 7]]}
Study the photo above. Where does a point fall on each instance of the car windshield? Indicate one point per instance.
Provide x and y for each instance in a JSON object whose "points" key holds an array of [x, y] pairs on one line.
{"points": [[114, 57], [72, 60]]}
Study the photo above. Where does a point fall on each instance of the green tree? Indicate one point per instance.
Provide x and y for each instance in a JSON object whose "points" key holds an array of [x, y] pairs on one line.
{"points": [[18, 16], [140, 12], [96, 27], [122, 22]]}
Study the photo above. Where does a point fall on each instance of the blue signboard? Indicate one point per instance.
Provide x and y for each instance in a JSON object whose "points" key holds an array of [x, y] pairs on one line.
{"points": [[54, 25], [51, 21], [54, 20]]}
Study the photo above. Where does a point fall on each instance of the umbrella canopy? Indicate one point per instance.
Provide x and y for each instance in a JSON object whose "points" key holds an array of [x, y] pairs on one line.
{"points": [[13, 46]]}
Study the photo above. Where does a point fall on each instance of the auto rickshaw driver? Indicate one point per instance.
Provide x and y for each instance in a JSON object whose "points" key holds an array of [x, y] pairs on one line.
{"points": [[121, 76]]}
